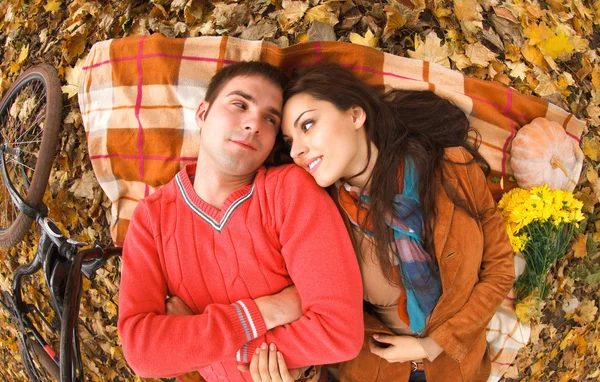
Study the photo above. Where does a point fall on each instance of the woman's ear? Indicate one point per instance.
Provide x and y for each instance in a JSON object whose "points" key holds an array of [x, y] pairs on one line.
{"points": [[358, 116]]}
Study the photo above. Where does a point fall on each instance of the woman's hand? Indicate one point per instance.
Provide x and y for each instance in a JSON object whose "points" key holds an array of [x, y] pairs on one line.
{"points": [[175, 306], [268, 365], [396, 348]]}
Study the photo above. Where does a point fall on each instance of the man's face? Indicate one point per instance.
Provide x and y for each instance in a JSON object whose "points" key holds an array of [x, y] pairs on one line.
{"points": [[239, 130]]}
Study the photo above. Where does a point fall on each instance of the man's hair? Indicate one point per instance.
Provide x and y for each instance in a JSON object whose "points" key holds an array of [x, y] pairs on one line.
{"points": [[246, 68]]}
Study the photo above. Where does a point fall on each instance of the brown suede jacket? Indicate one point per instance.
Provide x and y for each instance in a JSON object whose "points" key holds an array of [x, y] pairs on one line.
{"points": [[476, 266]]}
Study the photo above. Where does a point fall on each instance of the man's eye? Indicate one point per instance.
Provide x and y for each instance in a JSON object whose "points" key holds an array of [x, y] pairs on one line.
{"points": [[271, 120], [241, 105], [306, 125]]}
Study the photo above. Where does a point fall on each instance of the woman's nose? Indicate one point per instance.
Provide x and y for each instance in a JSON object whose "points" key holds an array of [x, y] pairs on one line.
{"points": [[298, 148]]}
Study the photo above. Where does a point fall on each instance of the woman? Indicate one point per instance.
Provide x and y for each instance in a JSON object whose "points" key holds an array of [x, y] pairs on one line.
{"points": [[435, 259]]}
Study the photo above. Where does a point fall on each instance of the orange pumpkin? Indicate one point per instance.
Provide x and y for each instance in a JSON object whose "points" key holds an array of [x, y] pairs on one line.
{"points": [[543, 153]]}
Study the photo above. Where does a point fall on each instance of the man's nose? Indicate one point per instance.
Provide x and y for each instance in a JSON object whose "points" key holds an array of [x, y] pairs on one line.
{"points": [[253, 123]]}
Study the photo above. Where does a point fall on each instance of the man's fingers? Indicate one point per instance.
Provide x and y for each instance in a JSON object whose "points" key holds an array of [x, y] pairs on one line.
{"points": [[254, 373], [263, 363], [285, 374], [273, 365]]}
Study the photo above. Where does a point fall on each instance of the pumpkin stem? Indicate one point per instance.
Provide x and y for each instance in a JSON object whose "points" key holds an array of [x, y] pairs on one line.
{"points": [[556, 162]]}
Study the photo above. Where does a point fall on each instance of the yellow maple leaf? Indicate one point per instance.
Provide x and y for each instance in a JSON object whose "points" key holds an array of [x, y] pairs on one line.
{"points": [[580, 246], [591, 148], [557, 45], [533, 55], [527, 309], [368, 40], [432, 50], [323, 13], [23, 54], [52, 6], [538, 33], [596, 77]]}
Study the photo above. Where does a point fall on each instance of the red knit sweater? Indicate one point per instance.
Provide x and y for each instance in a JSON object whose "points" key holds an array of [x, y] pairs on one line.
{"points": [[281, 230]]}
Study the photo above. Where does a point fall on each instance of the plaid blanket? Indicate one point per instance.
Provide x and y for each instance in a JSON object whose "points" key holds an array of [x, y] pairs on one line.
{"points": [[138, 96]]}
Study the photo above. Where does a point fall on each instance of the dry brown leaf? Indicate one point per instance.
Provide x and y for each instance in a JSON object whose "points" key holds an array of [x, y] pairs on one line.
{"points": [[460, 60], [518, 70], [467, 10], [291, 13], [587, 311], [84, 187], [432, 50], [323, 13], [546, 86], [580, 246], [479, 54], [259, 31], [591, 147], [319, 31], [394, 20]]}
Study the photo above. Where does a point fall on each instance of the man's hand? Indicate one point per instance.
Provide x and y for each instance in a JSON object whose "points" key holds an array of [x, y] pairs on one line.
{"points": [[279, 309], [396, 348], [176, 307], [268, 365]]}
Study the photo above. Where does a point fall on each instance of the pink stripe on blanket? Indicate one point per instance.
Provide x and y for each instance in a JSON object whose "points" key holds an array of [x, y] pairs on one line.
{"points": [[515, 114], [371, 70], [146, 157], [573, 136], [131, 58], [138, 103]]}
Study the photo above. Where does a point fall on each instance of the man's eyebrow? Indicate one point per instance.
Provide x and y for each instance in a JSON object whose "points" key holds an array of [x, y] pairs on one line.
{"points": [[300, 116], [250, 98]]}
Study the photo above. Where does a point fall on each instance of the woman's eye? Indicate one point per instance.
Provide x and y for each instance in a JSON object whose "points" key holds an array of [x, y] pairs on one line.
{"points": [[241, 105], [288, 144], [306, 125]]}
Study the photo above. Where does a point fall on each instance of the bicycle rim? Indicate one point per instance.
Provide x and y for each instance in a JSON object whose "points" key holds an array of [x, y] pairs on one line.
{"points": [[30, 117]]}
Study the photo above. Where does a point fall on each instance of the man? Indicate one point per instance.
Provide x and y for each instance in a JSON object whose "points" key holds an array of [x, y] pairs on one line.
{"points": [[228, 237]]}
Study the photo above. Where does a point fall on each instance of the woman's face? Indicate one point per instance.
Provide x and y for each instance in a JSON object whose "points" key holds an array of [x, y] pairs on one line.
{"points": [[327, 142]]}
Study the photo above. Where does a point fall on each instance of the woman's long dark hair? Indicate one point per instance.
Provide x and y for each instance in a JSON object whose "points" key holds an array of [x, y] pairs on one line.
{"points": [[419, 124]]}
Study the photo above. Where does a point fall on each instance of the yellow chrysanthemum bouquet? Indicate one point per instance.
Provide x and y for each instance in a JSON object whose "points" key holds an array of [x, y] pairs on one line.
{"points": [[540, 223]]}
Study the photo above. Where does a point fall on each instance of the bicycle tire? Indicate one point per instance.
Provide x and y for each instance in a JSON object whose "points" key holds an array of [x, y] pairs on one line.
{"points": [[14, 233]]}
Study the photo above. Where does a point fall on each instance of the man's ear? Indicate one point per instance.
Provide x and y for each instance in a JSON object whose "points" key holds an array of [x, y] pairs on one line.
{"points": [[358, 116], [201, 113]]}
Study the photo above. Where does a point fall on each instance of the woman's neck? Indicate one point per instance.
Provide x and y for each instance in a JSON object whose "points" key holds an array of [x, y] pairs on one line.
{"points": [[363, 181]]}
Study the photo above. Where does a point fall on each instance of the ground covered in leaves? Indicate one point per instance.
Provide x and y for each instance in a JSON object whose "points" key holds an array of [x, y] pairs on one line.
{"points": [[546, 48]]}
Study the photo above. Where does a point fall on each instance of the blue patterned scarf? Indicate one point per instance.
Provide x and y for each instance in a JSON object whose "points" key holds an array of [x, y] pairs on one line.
{"points": [[420, 277]]}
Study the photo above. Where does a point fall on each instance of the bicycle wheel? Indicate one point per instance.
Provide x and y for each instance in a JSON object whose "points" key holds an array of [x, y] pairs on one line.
{"points": [[30, 118]]}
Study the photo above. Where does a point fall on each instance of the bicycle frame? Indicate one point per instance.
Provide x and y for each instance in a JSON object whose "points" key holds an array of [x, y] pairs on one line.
{"points": [[63, 264]]}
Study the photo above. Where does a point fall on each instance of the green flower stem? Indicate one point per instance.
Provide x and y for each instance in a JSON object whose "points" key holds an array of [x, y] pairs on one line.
{"points": [[547, 244]]}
